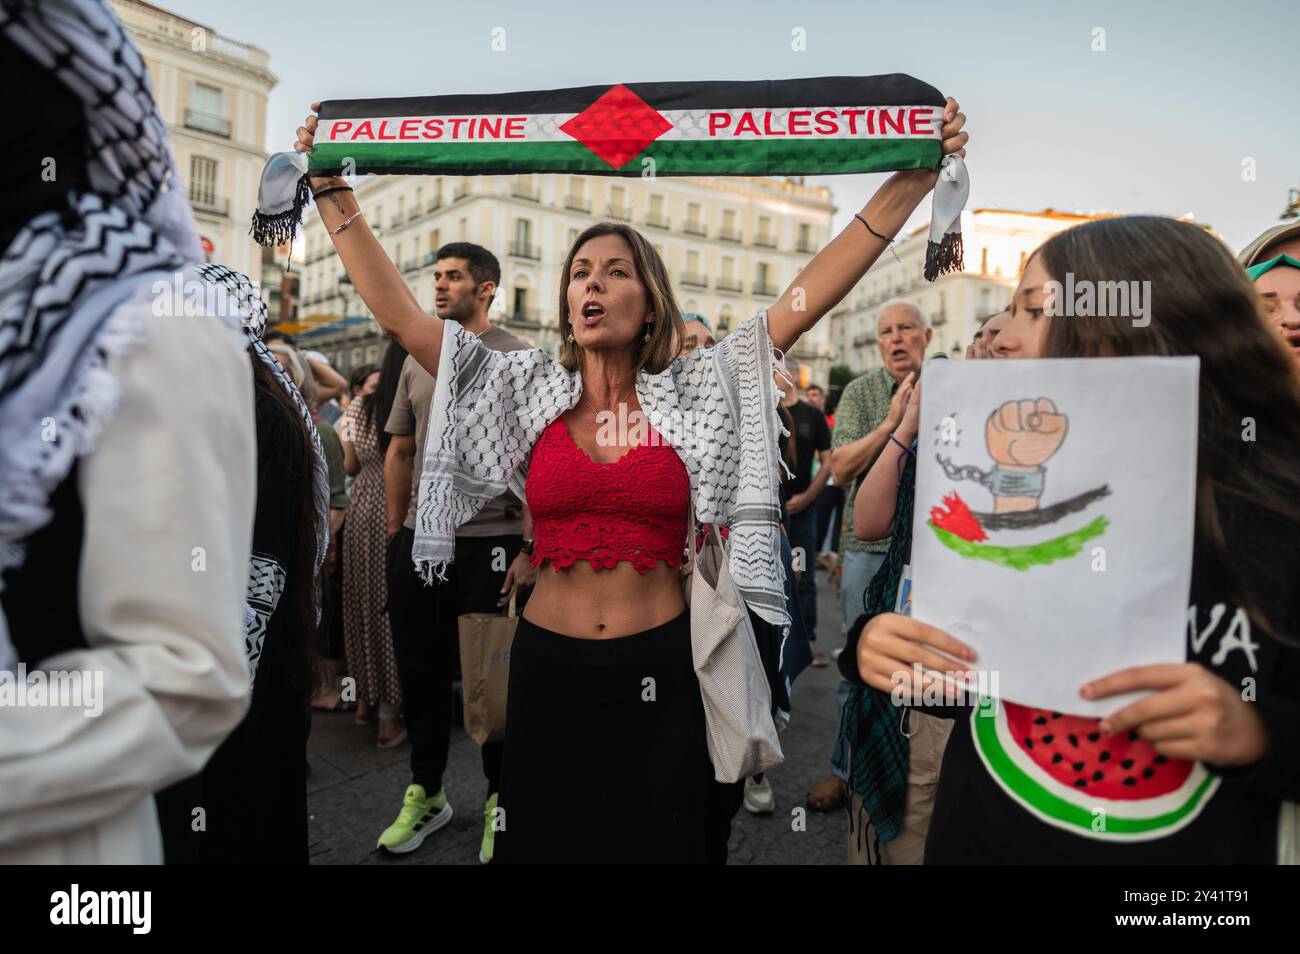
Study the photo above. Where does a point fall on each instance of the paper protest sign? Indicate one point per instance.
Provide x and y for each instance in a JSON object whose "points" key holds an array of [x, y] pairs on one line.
{"points": [[1055, 502]]}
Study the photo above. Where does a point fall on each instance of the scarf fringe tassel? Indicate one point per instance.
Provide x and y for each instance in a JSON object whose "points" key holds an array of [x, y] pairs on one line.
{"points": [[271, 230], [432, 571], [943, 257]]}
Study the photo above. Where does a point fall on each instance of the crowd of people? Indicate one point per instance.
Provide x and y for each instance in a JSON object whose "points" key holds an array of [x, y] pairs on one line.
{"points": [[313, 544]]}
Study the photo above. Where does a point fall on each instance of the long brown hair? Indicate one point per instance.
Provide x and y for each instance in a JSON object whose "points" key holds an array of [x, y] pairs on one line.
{"points": [[667, 330], [1201, 303]]}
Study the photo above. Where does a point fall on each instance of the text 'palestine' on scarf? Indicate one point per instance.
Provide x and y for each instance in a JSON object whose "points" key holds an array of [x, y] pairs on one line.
{"points": [[821, 126]]}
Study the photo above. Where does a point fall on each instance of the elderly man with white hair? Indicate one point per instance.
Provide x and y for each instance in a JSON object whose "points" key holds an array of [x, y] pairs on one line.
{"points": [[869, 410]]}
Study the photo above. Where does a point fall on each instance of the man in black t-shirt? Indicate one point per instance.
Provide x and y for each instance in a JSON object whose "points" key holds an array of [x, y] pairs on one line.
{"points": [[812, 438]]}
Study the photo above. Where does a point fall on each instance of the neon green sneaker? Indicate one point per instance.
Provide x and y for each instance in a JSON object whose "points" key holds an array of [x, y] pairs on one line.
{"points": [[489, 830], [420, 817]]}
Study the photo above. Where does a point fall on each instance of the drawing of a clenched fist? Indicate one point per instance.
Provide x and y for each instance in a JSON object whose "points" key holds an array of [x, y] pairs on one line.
{"points": [[1025, 433]]}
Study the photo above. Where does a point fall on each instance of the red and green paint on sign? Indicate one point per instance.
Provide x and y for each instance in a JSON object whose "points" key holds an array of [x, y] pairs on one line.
{"points": [[960, 530], [802, 126]]}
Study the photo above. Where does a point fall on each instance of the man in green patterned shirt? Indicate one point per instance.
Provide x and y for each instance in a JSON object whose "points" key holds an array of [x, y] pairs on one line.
{"points": [[868, 413]]}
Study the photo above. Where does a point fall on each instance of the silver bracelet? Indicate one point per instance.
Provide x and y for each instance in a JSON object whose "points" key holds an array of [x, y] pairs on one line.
{"points": [[345, 224]]}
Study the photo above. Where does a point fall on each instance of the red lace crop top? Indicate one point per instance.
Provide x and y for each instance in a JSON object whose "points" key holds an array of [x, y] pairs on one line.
{"points": [[631, 509]]}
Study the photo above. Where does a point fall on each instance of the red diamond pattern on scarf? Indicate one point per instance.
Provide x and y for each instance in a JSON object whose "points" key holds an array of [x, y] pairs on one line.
{"points": [[617, 126]]}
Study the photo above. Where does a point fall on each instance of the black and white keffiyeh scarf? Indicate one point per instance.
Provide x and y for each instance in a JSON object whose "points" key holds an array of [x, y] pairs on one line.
{"points": [[716, 407], [68, 276]]}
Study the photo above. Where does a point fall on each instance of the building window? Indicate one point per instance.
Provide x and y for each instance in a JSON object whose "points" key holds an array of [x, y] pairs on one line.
{"points": [[203, 182], [984, 260], [207, 99], [984, 302], [729, 225], [694, 222], [464, 230], [577, 200], [206, 112]]}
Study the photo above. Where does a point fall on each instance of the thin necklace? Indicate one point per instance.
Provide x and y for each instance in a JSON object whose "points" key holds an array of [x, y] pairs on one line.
{"points": [[592, 404]]}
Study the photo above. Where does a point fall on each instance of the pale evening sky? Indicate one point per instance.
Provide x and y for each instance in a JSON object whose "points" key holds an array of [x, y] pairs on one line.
{"points": [[1159, 122]]}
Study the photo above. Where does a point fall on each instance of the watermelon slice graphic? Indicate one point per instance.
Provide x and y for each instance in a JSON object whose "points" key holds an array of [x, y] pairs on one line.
{"points": [[1064, 771]]}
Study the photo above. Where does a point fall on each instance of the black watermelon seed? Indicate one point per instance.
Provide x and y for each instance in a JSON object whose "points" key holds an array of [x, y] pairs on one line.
{"points": [[1094, 736], [1148, 772], [1130, 780], [1056, 715], [1074, 740], [1104, 757], [1029, 743], [1160, 760], [1096, 776], [1047, 739], [1041, 720], [1079, 783], [1078, 766], [1133, 736], [1127, 763], [1056, 758]]}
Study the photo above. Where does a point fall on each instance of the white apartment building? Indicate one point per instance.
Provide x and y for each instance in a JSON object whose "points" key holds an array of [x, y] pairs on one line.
{"points": [[996, 244], [211, 91], [731, 246]]}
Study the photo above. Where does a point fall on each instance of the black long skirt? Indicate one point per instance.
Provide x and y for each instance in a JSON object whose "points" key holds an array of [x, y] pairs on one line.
{"points": [[606, 760]]}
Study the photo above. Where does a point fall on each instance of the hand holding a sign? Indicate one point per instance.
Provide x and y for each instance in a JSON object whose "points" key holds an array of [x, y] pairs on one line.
{"points": [[890, 645], [1193, 714]]}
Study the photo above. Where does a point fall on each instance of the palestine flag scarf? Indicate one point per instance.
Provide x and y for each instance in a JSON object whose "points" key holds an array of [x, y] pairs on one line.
{"points": [[825, 126]]}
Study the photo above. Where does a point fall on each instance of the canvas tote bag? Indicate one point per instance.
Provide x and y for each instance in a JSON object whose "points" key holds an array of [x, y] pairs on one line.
{"points": [[737, 702]]}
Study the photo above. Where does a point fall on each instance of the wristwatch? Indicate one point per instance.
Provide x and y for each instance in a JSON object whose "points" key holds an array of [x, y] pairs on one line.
{"points": [[526, 548]]}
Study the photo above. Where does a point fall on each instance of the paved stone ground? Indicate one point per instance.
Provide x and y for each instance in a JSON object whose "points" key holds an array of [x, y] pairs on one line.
{"points": [[355, 788]]}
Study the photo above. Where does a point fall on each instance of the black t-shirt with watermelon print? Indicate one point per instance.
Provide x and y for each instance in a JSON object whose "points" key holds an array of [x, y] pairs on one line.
{"points": [[1022, 786]]}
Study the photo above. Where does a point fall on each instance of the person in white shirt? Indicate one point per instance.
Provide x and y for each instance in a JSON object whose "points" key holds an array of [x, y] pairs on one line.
{"points": [[127, 490]]}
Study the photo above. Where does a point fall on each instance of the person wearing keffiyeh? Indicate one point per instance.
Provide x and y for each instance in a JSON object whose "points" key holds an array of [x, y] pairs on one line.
{"points": [[125, 526], [584, 624]]}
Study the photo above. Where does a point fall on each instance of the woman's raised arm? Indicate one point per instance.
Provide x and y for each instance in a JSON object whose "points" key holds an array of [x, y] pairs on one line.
{"points": [[373, 274], [845, 259]]}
